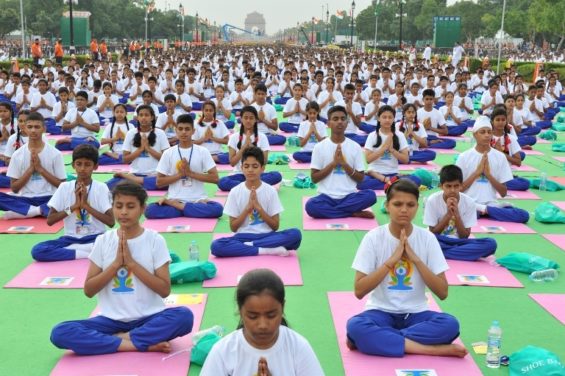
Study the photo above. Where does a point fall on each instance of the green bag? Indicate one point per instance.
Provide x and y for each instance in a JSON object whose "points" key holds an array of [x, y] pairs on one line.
{"points": [[293, 141], [191, 271], [302, 181], [558, 147], [550, 185], [174, 257], [200, 350], [535, 361], [526, 262], [279, 107], [546, 212], [428, 178], [561, 118], [558, 127], [549, 135], [71, 177], [278, 159]]}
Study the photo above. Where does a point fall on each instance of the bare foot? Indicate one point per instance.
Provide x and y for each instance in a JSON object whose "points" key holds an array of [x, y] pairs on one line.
{"points": [[451, 350], [119, 175], [164, 347], [363, 214], [411, 347], [350, 345]]}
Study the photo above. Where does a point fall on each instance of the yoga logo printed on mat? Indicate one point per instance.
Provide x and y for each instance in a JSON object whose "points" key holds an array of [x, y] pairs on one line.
{"points": [[20, 229], [401, 276], [56, 281], [494, 229], [123, 281], [184, 299], [473, 278], [415, 372], [178, 228]]}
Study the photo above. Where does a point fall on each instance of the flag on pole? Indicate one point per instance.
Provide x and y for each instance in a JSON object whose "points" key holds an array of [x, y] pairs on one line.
{"points": [[340, 14]]}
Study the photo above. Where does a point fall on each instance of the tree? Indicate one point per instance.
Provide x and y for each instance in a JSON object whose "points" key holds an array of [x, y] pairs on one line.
{"points": [[424, 20], [546, 17], [470, 13], [9, 21]]}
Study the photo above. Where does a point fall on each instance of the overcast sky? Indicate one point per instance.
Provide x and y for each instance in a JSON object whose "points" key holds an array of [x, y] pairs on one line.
{"points": [[276, 18]]}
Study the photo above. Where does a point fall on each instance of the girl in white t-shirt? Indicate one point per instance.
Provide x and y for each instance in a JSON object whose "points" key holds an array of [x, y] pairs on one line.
{"points": [[310, 132], [7, 128], [415, 135], [370, 112], [453, 116], [263, 344], [212, 133], [129, 273], [505, 142], [394, 265], [223, 107], [143, 148], [114, 136], [527, 133], [384, 149], [14, 142], [248, 135]]}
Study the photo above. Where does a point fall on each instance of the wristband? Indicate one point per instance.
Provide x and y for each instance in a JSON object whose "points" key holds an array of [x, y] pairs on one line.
{"points": [[68, 211], [352, 173]]}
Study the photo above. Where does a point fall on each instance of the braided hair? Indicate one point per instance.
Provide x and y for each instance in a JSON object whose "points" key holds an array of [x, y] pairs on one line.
{"points": [[415, 126], [8, 106], [214, 122], [395, 141], [501, 111], [253, 111], [114, 121], [152, 138], [19, 142]]}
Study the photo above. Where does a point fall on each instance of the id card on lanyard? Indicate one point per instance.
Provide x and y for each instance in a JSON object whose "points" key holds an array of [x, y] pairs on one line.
{"points": [[82, 224], [185, 181]]}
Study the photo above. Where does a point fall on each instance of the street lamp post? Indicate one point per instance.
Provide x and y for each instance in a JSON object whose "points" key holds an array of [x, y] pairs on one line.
{"points": [[181, 12], [71, 29], [197, 38], [352, 20], [297, 32], [327, 24], [376, 5], [312, 32], [501, 35]]}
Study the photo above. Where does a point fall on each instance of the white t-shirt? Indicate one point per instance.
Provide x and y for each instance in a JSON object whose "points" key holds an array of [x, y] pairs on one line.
{"points": [[162, 119], [486, 99], [448, 119], [468, 103], [186, 101], [227, 106], [57, 110], [413, 145], [436, 208], [126, 298], [107, 112], [291, 355], [50, 101], [10, 146], [291, 105], [434, 115], [387, 164], [50, 158], [110, 132], [238, 105], [392, 101], [482, 190], [145, 164], [220, 131], [262, 143], [270, 115], [200, 161], [82, 224], [357, 111], [370, 107], [303, 130], [337, 184], [524, 115], [322, 98], [238, 199], [88, 115], [511, 140], [403, 289]]}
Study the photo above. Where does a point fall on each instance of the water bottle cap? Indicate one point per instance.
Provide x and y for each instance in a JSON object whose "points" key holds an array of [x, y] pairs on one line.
{"points": [[194, 242], [495, 323]]}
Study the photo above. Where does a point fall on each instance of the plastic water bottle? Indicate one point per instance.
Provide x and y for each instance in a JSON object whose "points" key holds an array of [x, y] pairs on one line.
{"points": [[543, 181], [193, 252], [435, 180], [546, 275], [493, 345], [216, 329]]}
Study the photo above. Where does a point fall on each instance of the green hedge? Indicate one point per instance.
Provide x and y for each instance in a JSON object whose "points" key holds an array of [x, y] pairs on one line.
{"points": [[81, 60]]}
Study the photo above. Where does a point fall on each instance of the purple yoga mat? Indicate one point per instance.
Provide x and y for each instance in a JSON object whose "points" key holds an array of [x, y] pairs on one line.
{"points": [[176, 363], [496, 227], [231, 269], [51, 275], [344, 305], [349, 223], [552, 303], [479, 273]]}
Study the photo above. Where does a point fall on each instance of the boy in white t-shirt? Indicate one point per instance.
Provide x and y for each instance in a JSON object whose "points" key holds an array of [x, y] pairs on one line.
{"points": [[485, 172], [451, 214], [491, 98], [42, 100], [254, 208], [85, 207], [185, 168], [36, 170], [434, 123], [354, 113], [83, 123], [294, 110], [268, 123], [337, 167], [129, 273]]}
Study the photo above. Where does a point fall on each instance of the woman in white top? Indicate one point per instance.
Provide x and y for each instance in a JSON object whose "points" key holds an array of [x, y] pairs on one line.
{"points": [[143, 148], [394, 265], [263, 344]]}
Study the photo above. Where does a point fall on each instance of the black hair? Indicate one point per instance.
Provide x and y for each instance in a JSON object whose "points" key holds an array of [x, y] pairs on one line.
{"points": [[350, 87], [450, 173], [395, 141], [18, 142], [170, 97], [152, 138], [128, 188], [415, 126], [253, 110], [402, 185], [106, 84], [86, 151], [185, 119], [260, 87], [428, 93], [257, 282], [36, 116], [8, 106], [336, 109], [214, 122], [83, 94], [254, 152], [313, 106], [179, 82]]}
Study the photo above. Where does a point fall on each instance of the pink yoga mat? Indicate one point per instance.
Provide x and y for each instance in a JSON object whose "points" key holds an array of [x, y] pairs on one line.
{"points": [[560, 179], [37, 225], [3, 169], [231, 269], [57, 136], [523, 168], [532, 152], [349, 223], [457, 138], [136, 363], [446, 151], [156, 193], [560, 159], [344, 305], [558, 240], [542, 141], [224, 167], [552, 303], [496, 227], [112, 169], [51, 275], [295, 165], [479, 273], [415, 166], [181, 225], [520, 195], [278, 148], [559, 204]]}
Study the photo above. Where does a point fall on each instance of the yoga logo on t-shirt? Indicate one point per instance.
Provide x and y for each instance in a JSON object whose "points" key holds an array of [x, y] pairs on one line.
{"points": [[339, 170], [255, 218], [450, 228], [144, 154], [401, 276], [387, 156], [482, 179], [36, 176], [123, 281]]}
